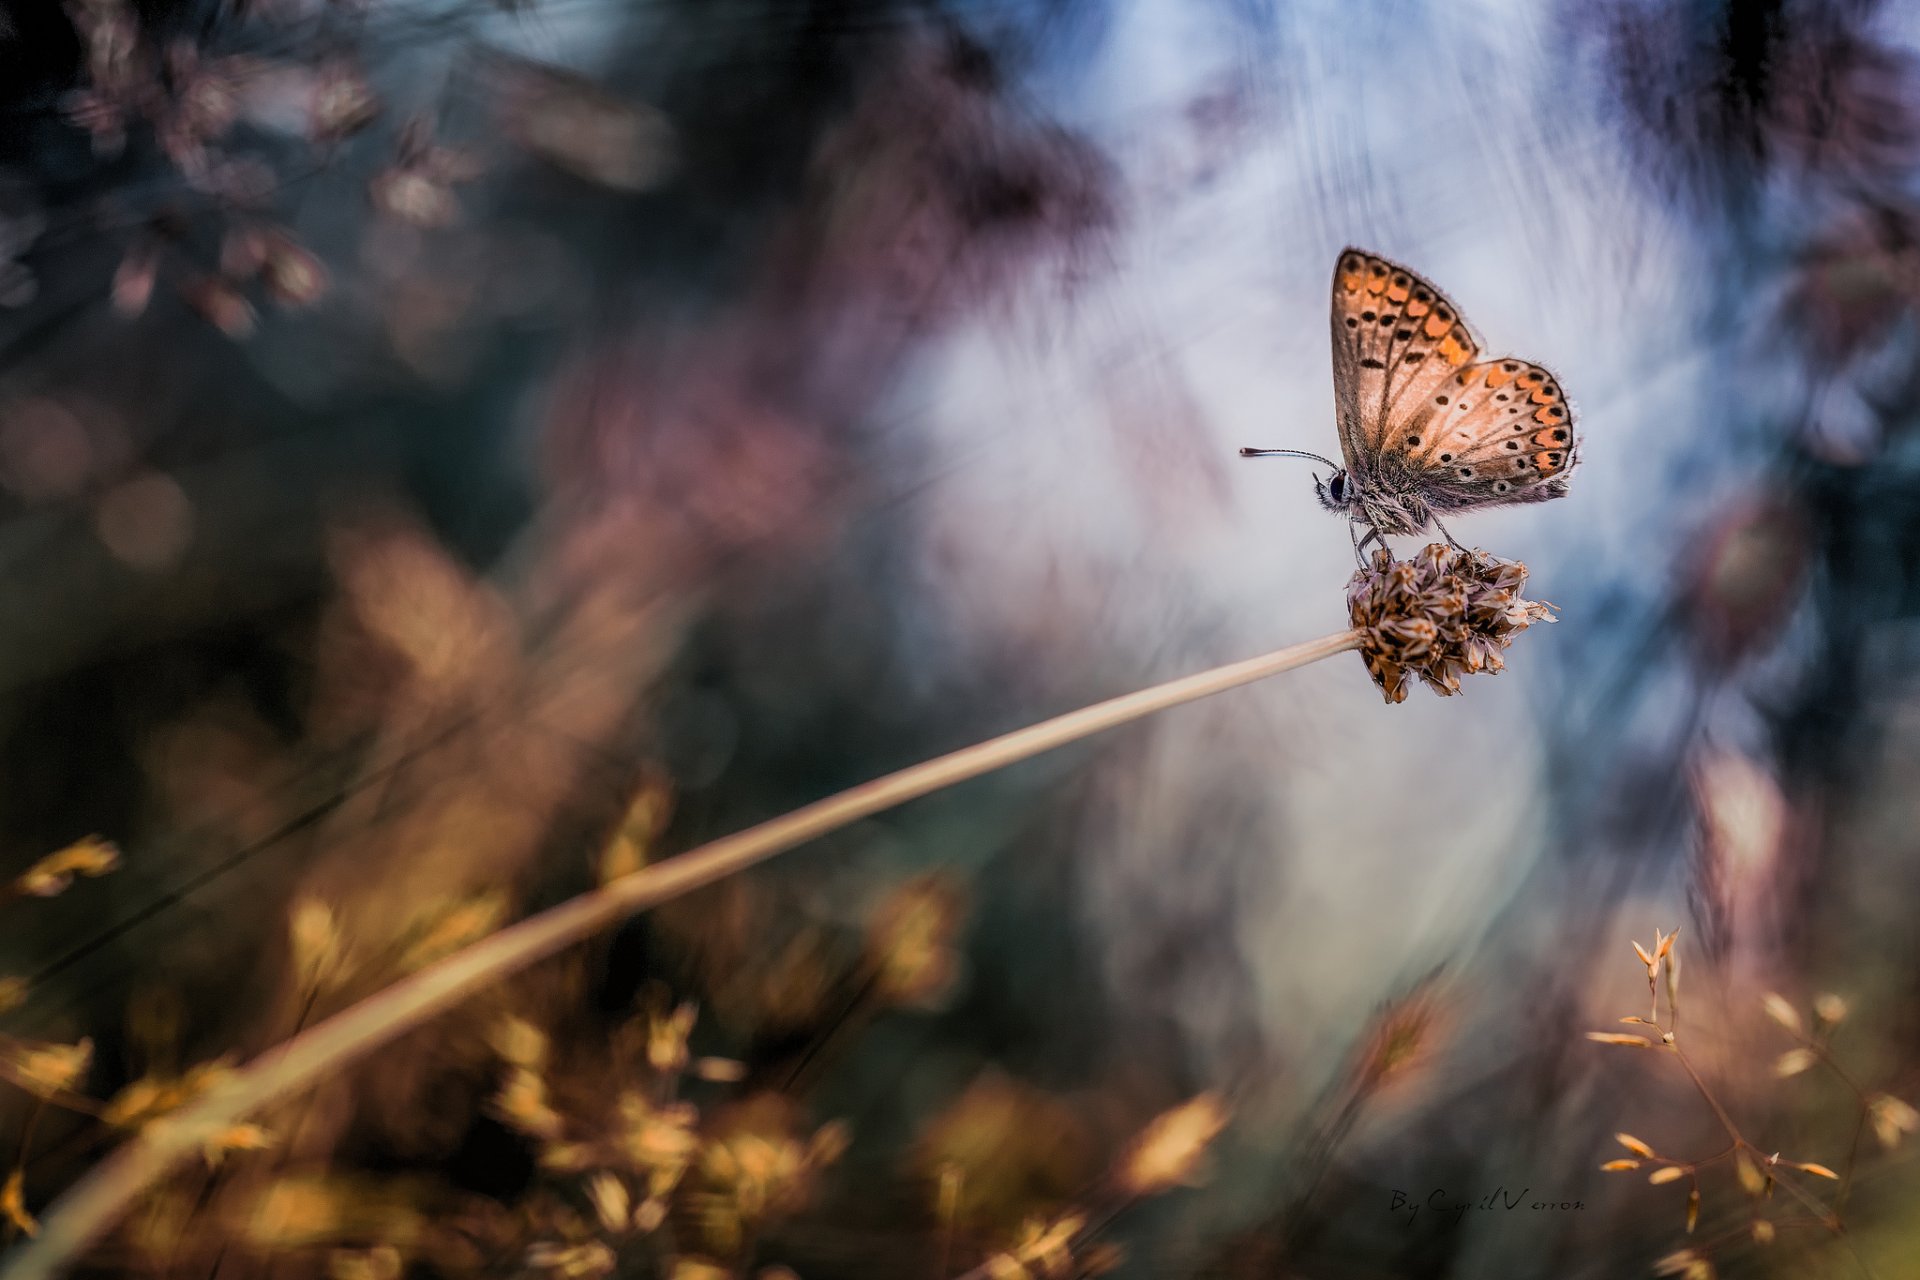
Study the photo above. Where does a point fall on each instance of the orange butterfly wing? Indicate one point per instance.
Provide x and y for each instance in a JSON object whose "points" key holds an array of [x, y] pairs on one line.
{"points": [[1396, 341], [1414, 402], [1500, 431]]}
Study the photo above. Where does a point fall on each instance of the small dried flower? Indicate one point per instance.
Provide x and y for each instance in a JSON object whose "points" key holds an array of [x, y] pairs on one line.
{"points": [[1891, 1118], [1693, 1209], [1762, 1231], [1633, 1144], [1614, 1037], [574, 1261], [521, 1102], [91, 857], [667, 1038], [1166, 1153], [1671, 1173], [690, 1268], [1793, 1062], [520, 1043], [447, 927], [1680, 1262], [1047, 1247], [1829, 1008], [313, 935], [719, 1070], [220, 305], [235, 1137], [292, 275], [612, 1202], [1752, 1181], [1818, 1170], [13, 1203], [1619, 1166], [632, 845], [1438, 616], [1781, 1011], [45, 1070], [911, 942], [382, 1262], [343, 103], [133, 279]]}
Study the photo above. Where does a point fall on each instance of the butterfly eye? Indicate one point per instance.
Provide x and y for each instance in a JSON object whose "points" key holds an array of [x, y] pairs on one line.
{"points": [[1337, 487]]}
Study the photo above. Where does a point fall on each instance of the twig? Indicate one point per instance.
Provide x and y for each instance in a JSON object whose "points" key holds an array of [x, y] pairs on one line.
{"points": [[85, 1213]]}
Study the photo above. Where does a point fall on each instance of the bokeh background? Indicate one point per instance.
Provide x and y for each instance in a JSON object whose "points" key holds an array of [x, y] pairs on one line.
{"points": [[452, 452]]}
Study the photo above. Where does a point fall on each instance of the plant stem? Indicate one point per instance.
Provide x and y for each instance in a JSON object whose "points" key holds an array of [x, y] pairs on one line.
{"points": [[93, 1204]]}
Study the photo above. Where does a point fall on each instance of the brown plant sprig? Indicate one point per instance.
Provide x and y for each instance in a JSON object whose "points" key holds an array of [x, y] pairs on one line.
{"points": [[1446, 613], [54, 1074], [1758, 1171], [1168, 1153]]}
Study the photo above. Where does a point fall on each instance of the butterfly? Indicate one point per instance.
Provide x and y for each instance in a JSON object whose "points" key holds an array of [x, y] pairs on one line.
{"points": [[1426, 426]]}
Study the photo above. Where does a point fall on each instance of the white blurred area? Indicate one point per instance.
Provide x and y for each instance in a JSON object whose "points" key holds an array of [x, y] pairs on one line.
{"points": [[1095, 438]]}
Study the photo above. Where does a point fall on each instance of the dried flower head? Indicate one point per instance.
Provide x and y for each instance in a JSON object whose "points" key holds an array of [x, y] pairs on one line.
{"points": [[1443, 614], [45, 1070], [51, 875], [13, 1204], [910, 943], [1167, 1152], [1891, 1118]]}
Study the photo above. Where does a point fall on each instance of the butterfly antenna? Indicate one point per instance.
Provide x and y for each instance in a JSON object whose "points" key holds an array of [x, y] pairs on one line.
{"points": [[1288, 453]]}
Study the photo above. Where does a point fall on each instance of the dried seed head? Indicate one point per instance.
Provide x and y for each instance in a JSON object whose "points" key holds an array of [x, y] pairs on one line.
{"points": [[1167, 1151], [1781, 1011], [1614, 1037], [45, 1070], [1670, 1173], [1752, 1181], [1829, 1008], [13, 1203], [1793, 1062], [1633, 1144], [1891, 1118], [90, 857], [1438, 616], [911, 942]]}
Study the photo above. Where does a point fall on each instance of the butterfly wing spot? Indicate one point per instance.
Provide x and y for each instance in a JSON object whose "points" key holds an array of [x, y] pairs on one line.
{"points": [[1352, 323], [1439, 399], [1501, 486], [1371, 363]]}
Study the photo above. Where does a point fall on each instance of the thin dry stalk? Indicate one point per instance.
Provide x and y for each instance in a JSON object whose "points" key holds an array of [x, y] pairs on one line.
{"points": [[82, 1216]]}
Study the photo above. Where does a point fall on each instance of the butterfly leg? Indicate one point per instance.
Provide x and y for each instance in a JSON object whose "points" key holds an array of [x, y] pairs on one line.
{"points": [[1360, 543], [1447, 535]]}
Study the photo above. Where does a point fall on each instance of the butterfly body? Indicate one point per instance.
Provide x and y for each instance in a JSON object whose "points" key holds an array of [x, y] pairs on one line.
{"points": [[1428, 427]]}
